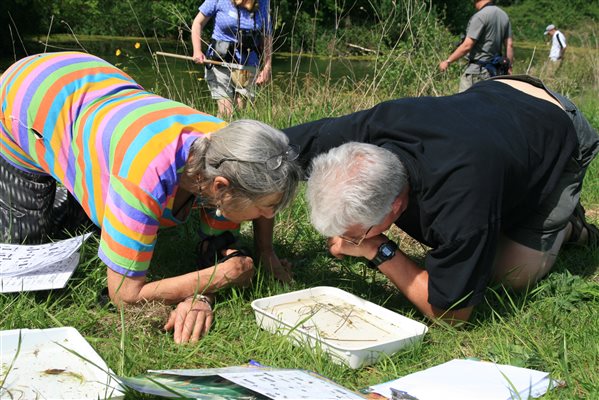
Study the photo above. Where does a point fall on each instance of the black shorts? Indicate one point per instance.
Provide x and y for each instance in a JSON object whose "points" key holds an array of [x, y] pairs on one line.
{"points": [[34, 209]]}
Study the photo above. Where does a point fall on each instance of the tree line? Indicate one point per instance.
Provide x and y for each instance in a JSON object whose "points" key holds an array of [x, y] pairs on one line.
{"points": [[297, 23]]}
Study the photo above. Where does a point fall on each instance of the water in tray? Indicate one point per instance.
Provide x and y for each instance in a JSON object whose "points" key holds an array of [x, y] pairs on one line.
{"points": [[338, 322]]}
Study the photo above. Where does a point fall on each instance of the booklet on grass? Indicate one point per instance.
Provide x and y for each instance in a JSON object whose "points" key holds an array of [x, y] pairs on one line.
{"points": [[468, 379]]}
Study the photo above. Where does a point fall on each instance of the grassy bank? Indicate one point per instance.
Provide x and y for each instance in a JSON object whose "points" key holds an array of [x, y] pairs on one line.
{"points": [[553, 327]]}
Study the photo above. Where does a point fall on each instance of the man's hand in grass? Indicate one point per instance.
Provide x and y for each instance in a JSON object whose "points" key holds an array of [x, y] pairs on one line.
{"points": [[339, 247], [190, 320]]}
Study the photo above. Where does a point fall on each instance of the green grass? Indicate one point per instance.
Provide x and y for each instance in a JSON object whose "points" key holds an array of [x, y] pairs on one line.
{"points": [[553, 327]]}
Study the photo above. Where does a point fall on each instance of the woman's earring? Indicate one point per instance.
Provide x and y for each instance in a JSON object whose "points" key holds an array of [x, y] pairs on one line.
{"points": [[218, 212]]}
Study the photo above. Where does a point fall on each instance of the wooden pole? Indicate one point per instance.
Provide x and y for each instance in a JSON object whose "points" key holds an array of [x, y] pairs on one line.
{"points": [[188, 58]]}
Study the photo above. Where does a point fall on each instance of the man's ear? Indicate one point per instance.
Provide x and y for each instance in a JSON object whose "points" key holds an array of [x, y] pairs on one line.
{"points": [[401, 202], [396, 205]]}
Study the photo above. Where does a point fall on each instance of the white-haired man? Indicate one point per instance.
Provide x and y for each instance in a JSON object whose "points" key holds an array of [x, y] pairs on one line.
{"points": [[489, 179]]}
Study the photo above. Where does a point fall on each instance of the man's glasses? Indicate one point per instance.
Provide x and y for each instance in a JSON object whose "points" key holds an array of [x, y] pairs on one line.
{"points": [[272, 163], [358, 241]]}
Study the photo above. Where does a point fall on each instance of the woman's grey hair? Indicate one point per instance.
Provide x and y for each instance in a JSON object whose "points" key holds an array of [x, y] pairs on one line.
{"points": [[353, 184], [239, 153]]}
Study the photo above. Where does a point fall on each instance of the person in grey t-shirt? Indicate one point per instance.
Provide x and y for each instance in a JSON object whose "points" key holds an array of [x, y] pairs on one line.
{"points": [[488, 32]]}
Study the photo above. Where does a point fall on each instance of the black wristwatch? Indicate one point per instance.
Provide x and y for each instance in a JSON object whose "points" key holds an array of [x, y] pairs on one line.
{"points": [[385, 252]]}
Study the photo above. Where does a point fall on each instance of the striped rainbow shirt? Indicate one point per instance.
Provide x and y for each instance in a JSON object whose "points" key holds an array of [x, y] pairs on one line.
{"points": [[116, 147]]}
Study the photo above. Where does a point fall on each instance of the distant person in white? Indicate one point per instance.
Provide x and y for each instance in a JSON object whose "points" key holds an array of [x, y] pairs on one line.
{"points": [[558, 43]]}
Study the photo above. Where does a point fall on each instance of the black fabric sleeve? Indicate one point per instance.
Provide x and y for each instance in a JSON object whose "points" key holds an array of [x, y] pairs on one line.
{"points": [[306, 136], [460, 271], [322, 135]]}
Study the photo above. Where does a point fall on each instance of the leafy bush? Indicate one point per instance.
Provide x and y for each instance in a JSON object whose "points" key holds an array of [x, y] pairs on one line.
{"points": [[529, 18]]}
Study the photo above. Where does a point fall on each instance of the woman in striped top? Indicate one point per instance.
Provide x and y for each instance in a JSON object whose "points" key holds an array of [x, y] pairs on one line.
{"points": [[134, 162]]}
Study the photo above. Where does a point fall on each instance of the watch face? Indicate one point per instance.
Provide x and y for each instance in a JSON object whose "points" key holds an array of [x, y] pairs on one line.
{"points": [[387, 251]]}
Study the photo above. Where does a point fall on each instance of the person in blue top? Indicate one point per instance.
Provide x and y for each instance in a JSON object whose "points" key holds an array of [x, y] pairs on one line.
{"points": [[242, 34]]}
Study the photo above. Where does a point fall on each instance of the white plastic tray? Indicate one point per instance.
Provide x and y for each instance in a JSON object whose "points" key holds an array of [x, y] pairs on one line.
{"points": [[45, 370], [352, 330]]}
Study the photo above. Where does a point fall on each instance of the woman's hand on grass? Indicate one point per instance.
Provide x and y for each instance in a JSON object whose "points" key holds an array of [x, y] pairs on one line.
{"points": [[190, 321], [280, 269], [263, 248]]}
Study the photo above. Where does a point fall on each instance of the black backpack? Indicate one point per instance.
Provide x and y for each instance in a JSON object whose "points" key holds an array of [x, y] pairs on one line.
{"points": [[499, 65]]}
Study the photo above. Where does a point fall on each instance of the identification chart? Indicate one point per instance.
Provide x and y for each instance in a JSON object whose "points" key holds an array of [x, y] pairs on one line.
{"points": [[38, 267], [290, 384]]}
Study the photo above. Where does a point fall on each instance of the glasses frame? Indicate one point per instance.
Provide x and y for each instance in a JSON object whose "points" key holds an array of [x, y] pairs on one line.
{"points": [[359, 241], [272, 163]]}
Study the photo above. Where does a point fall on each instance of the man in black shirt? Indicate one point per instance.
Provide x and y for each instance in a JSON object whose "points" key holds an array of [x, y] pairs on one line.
{"points": [[489, 179]]}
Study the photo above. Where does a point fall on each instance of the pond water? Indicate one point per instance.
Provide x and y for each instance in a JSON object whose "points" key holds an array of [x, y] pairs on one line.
{"points": [[151, 72], [180, 77]]}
